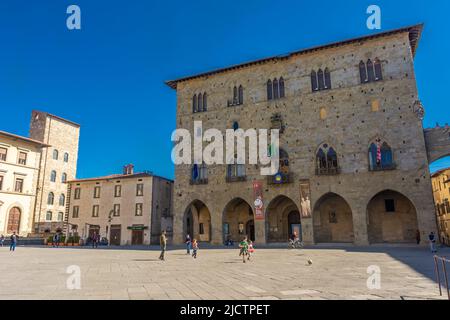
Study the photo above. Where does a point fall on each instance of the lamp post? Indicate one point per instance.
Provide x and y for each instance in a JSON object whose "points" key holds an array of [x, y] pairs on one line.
{"points": [[110, 218]]}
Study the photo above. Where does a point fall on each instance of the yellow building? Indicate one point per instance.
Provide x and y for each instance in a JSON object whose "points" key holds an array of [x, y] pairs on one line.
{"points": [[20, 159], [441, 193]]}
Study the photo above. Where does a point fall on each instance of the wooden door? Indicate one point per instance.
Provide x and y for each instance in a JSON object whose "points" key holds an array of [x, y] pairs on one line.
{"points": [[137, 237], [115, 235], [14, 220]]}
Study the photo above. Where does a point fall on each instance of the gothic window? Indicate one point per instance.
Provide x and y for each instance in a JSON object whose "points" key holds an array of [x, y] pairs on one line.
{"points": [[66, 157], [363, 72], [380, 156], [51, 198], [194, 103], [314, 85], [321, 79], [327, 79], [276, 92], [235, 172], [205, 102], [64, 178], [326, 161], [370, 71], [281, 85], [235, 95], [241, 95], [199, 173], [378, 71], [55, 154], [269, 90], [199, 102]]}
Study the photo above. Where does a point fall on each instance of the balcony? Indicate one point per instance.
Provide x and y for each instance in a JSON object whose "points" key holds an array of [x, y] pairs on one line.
{"points": [[383, 167], [332, 171], [281, 178], [197, 182], [231, 179]]}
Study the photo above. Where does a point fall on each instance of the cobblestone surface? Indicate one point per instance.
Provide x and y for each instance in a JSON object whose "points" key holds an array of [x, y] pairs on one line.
{"points": [[335, 273]]}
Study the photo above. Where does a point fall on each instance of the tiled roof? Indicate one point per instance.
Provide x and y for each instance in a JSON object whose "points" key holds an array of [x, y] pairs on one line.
{"points": [[114, 176], [414, 37], [17, 137]]}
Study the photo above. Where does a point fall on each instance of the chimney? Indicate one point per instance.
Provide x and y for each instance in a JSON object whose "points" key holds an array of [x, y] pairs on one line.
{"points": [[128, 169]]}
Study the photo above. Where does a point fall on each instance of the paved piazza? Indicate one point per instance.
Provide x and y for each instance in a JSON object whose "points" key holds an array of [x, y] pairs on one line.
{"points": [[336, 273]]}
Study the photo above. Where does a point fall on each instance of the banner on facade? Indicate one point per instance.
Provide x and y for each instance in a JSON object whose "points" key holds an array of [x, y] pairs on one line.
{"points": [[305, 199], [258, 197]]}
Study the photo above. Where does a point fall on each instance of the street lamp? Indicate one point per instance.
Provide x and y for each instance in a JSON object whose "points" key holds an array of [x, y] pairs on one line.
{"points": [[110, 218]]}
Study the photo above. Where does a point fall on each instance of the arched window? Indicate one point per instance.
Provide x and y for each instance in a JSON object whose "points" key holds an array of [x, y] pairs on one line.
{"points": [[62, 200], [66, 157], [235, 95], [269, 90], [64, 178], [370, 71], [327, 79], [199, 103], [55, 154], [326, 161], [60, 216], [48, 216], [363, 72], [320, 79], [276, 92], [380, 156], [378, 71], [281, 84], [53, 176], [241, 95], [51, 198], [194, 103], [314, 85], [205, 102]]}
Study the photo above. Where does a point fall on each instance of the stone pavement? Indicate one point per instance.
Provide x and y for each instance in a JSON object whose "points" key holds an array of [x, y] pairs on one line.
{"points": [[336, 273]]}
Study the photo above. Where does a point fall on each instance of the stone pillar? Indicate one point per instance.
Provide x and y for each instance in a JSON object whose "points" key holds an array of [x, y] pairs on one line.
{"points": [[178, 233], [360, 226], [307, 231], [260, 232], [216, 229]]}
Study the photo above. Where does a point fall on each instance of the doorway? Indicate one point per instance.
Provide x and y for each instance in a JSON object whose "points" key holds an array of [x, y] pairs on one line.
{"points": [[250, 230], [115, 235], [137, 237], [14, 221]]}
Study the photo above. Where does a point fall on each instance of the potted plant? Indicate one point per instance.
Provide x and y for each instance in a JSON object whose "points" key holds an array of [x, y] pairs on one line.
{"points": [[76, 241], [50, 241]]}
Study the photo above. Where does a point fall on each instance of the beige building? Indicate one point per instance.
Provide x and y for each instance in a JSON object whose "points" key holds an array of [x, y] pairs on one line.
{"points": [[129, 208], [441, 191], [58, 165], [354, 155], [19, 171]]}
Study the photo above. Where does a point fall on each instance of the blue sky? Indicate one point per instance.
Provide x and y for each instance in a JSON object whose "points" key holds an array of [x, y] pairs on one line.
{"points": [[109, 76]]}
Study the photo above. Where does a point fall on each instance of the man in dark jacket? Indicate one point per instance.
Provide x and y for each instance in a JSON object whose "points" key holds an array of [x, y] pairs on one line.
{"points": [[163, 243]]}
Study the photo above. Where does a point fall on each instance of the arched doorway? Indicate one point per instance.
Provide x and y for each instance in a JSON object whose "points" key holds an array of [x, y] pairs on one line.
{"points": [[392, 218], [14, 221], [282, 219], [238, 221], [197, 221], [332, 219]]}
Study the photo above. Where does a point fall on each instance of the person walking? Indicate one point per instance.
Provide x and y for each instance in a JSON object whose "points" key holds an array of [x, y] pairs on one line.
{"points": [[94, 239], [418, 237], [243, 245], [194, 248], [432, 239], [163, 243], [97, 240], [250, 249], [2, 240], [13, 238], [188, 244]]}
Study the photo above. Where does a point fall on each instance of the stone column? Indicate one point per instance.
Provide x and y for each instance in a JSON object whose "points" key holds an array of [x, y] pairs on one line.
{"points": [[360, 227], [307, 231], [260, 232]]}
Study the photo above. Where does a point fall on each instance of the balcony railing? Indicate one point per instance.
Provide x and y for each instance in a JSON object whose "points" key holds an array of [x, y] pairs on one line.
{"points": [[332, 171], [236, 178], [283, 178], [198, 182], [383, 167]]}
